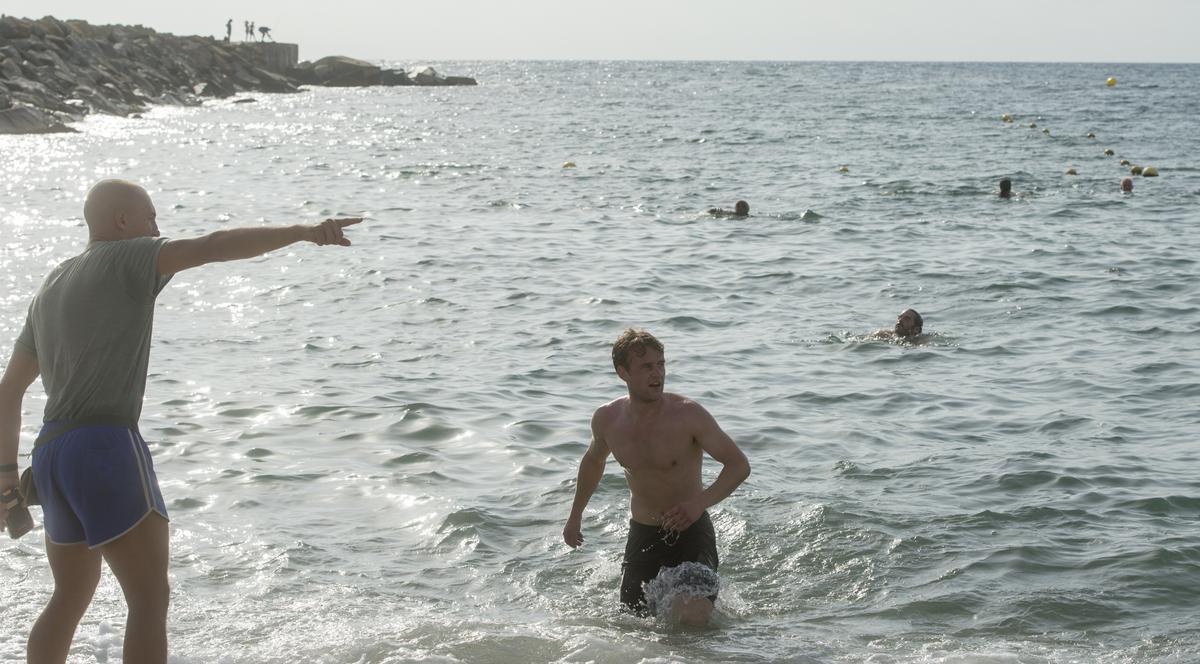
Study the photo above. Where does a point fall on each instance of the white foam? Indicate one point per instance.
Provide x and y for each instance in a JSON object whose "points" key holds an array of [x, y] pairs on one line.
{"points": [[689, 579]]}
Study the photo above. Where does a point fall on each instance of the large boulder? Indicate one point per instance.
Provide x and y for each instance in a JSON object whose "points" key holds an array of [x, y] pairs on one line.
{"points": [[52, 26], [339, 70], [25, 120], [12, 27], [395, 77], [342, 70], [430, 76]]}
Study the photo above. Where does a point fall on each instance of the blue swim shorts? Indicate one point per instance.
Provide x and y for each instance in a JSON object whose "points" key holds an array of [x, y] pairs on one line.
{"points": [[95, 483]]}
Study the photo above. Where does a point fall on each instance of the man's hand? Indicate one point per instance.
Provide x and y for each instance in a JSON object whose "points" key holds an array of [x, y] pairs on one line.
{"points": [[572, 534], [8, 481], [682, 516], [330, 231]]}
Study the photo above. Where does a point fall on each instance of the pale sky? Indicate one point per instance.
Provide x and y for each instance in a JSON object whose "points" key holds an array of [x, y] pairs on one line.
{"points": [[954, 30]]}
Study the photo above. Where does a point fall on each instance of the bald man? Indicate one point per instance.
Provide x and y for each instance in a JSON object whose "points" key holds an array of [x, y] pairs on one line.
{"points": [[88, 335]]}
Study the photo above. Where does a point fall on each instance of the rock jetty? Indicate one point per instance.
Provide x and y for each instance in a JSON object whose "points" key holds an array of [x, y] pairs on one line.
{"points": [[55, 72]]}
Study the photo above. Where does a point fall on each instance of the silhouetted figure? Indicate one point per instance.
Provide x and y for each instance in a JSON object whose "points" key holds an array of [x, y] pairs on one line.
{"points": [[265, 32], [228, 30], [248, 36], [1005, 188], [251, 30]]}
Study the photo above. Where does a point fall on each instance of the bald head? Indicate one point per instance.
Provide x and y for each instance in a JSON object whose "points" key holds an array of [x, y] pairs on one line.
{"points": [[119, 210]]}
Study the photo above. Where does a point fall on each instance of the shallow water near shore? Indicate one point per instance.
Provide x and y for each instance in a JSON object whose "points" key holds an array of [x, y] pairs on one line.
{"points": [[368, 454]]}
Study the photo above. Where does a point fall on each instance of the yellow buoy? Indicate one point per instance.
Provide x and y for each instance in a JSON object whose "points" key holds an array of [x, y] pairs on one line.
{"points": [[1136, 170], [1112, 80], [843, 169], [1006, 118], [1033, 125], [1045, 131], [1109, 152], [1149, 172], [1124, 162], [1071, 171], [568, 164]]}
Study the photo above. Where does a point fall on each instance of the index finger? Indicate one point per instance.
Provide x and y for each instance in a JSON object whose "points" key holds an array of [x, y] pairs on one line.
{"points": [[346, 221]]}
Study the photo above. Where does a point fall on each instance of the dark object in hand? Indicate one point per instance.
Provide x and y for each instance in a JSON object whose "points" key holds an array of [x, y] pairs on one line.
{"points": [[19, 520]]}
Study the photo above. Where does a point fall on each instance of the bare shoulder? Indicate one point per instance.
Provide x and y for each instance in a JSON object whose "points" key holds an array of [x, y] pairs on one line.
{"points": [[687, 409], [609, 411]]}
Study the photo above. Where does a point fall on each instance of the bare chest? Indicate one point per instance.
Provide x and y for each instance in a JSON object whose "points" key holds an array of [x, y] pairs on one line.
{"points": [[656, 448]]}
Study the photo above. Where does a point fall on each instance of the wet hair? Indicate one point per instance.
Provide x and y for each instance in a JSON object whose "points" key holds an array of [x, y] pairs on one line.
{"points": [[1005, 185], [633, 339], [742, 208], [919, 322]]}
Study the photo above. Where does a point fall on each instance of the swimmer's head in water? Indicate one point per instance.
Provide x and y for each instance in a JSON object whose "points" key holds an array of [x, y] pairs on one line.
{"points": [[909, 323], [633, 341], [1127, 184], [119, 210], [742, 208], [1005, 188]]}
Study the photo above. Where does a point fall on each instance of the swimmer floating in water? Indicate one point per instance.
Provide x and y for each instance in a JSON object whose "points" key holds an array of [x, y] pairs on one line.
{"points": [[740, 211], [908, 327], [1005, 188], [660, 440], [1127, 185]]}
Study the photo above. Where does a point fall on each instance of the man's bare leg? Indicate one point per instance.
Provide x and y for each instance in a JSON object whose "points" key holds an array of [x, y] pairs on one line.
{"points": [[693, 611], [76, 570], [139, 561]]}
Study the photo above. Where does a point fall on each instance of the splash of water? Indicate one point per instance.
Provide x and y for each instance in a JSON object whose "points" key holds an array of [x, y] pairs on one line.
{"points": [[689, 579]]}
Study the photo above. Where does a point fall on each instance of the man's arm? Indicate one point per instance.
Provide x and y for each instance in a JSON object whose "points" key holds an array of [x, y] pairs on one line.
{"points": [[20, 373], [238, 243], [735, 469], [591, 471]]}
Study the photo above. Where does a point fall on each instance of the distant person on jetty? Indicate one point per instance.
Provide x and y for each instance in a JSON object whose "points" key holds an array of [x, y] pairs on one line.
{"points": [[228, 30], [1127, 185], [908, 327], [249, 36], [660, 440], [741, 210], [251, 30], [265, 32], [1005, 188], [88, 334]]}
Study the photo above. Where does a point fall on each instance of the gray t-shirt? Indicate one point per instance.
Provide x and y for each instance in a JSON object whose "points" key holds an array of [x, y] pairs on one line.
{"points": [[89, 327]]}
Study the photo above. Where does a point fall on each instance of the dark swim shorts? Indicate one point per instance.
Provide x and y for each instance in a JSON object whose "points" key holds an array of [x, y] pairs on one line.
{"points": [[95, 483], [650, 549]]}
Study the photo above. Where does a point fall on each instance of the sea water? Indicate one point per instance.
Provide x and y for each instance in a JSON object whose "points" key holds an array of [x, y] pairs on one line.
{"points": [[369, 453]]}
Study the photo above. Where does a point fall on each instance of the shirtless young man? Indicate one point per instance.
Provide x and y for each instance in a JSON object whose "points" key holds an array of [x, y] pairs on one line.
{"points": [[660, 440], [88, 335]]}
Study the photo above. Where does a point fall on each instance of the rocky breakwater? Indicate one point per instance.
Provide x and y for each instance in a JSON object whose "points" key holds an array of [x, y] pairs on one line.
{"points": [[339, 70], [55, 72]]}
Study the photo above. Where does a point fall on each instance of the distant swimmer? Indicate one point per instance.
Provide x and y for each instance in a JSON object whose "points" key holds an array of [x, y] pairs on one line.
{"points": [[908, 327], [660, 440], [741, 210], [1127, 185], [1005, 188], [87, 334]]}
